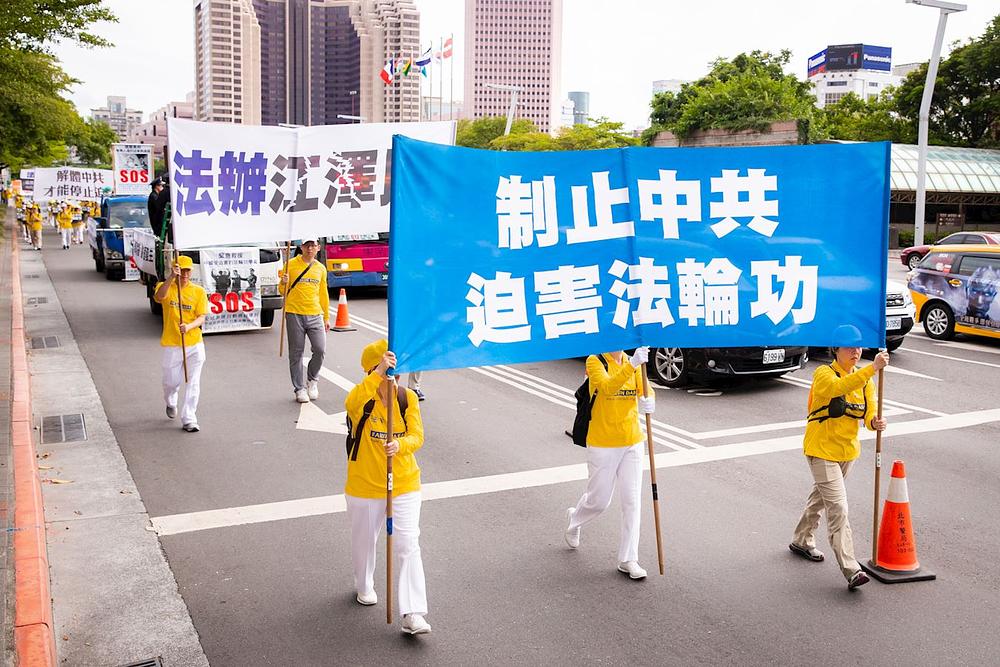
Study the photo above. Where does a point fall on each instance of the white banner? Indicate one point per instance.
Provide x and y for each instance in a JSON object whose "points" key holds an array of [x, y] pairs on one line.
{"points": [[230, 276], [133, 168], [128, 243], [71, 183], [143, 250], [250, 184], [27, 183]]}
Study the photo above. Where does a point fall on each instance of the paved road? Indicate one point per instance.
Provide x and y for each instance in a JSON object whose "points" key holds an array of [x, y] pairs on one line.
{"points": [[271, 584]]}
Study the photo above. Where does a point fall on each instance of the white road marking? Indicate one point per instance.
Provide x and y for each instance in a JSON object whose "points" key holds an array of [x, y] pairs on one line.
{"points": [[944, 356], [177, 524], [368, 324], [312, 418], [805, 384], [968, 347], [778, 426], [902, 371]]}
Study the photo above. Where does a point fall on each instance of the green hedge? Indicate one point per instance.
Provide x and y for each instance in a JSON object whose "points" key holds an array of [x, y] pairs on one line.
{"points": [[906, 236]]}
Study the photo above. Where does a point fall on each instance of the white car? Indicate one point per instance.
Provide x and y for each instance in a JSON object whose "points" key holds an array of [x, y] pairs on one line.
{"points": [[900, 314]]}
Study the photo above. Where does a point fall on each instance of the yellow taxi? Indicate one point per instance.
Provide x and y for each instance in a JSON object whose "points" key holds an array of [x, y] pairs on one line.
{"points": [[954, 289]]}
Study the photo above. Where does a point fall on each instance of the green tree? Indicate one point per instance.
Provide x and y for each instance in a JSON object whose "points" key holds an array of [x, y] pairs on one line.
{"points": [[748, 92], [480, 132], [92, 140], [601, 133], [854, 119], [33, 25], [965, 109]]}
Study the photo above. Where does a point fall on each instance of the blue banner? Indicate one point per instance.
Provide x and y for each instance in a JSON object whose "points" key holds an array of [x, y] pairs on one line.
{"points": [[502, 257]]}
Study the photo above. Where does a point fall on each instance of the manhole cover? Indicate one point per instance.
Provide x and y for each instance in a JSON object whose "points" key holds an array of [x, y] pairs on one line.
{"points": [[63, 428], [44, 342], [35, 300], [31, 275]]}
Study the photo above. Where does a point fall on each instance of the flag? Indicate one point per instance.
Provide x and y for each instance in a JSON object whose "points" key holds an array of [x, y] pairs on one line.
{"points": [[424, 59], [423, 70], [447, 48], [407, 66], [388, 72]]}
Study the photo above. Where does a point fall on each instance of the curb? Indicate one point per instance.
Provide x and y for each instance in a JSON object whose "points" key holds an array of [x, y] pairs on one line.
{"points": [[34, 638]]}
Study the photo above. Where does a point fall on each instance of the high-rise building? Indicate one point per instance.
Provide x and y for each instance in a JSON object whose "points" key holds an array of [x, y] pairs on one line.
{"points": [[154, 131], [118, 116], [320, 60], [514, 43], [227, 62]]}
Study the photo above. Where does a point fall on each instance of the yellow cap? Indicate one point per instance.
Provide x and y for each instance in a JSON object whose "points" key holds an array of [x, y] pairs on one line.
{"points": [[185, 262], [371, 356]]}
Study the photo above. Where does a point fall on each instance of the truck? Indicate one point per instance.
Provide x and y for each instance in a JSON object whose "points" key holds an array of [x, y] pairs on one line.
{"points": [[105, 233], [152, 254]]}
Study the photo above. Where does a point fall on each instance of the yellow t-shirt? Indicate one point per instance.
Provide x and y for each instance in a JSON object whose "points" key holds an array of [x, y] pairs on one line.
{"points": [[836, 439], [310, 296], [34, 219], [65, 218], [194, 304], [614, 421], [366, 473]]}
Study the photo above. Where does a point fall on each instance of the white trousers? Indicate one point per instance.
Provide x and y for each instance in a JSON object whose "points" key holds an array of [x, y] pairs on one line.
{"points": [[78, 233], [610, 467], [173, 378], [367, 515], [65, 231]]}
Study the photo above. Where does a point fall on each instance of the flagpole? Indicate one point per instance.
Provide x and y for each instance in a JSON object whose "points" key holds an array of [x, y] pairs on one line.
{"points": [[441, 85], [451, 81]]}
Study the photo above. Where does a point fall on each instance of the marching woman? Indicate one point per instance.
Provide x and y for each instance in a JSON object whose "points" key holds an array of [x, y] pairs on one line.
{"points": [[34, 219], [365, 491], [65, 219], [842, 395], [614, 451]]}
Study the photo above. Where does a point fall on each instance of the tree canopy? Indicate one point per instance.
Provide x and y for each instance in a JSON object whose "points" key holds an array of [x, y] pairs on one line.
{"points": [[488, 133]]}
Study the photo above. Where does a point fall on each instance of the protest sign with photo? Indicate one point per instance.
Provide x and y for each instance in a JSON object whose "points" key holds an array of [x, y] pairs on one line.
{"points": [[234, 184], [508, 257], [229, 276], [133, 168]]}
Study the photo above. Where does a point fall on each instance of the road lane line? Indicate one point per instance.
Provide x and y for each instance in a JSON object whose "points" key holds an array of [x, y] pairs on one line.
{"points": [[368, 324], [944, 356], [967, 347], [902, 371], [177, 524]]}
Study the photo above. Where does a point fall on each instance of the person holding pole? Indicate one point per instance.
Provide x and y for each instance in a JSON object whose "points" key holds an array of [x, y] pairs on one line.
{"points": [[841, 395], [307, 313], [370, 449], [181, 340], [614, 452]]}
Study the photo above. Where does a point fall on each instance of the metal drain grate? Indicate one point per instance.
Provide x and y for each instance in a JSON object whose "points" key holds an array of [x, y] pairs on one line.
{"points": [[44, 342], [35, 300], [151, 662], [63, 428], [31, 275]]}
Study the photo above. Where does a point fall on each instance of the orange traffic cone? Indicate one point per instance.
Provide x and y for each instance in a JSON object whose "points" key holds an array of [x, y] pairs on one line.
{"points": [[895, 560], [343, 322]]}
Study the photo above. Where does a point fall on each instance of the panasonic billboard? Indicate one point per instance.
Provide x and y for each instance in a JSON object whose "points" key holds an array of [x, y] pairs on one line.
{"points": [[817, 63], [877, 58]]}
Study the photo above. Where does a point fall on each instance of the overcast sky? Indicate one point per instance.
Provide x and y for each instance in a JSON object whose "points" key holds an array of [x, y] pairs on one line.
{"points": [[615, 53]]}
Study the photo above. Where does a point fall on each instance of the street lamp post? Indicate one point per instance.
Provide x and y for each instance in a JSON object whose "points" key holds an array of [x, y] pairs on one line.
{"points": [[925, 110], [354, 97], [513, 102]]}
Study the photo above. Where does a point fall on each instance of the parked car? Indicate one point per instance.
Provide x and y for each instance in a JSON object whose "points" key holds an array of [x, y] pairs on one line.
{"points": [[900, 314], [911, 256], [954, 289], [675, 367]]}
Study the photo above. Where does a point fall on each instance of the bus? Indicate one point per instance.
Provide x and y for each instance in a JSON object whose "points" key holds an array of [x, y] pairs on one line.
{"points": [[361, 261]]}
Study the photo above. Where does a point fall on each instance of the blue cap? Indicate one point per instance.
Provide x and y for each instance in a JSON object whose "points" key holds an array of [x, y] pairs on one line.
{"points": [[846, 335]]}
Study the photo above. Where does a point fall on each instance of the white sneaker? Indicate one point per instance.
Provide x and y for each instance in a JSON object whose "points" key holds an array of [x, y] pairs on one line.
{"points": [[632, 569], [414, 624], [301, 396], [367, 599], [312, 388], [572, 536]]}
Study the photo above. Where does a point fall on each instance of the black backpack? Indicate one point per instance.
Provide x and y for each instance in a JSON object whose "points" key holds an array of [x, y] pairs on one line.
{"points": [[584, 409], [354, 433]]}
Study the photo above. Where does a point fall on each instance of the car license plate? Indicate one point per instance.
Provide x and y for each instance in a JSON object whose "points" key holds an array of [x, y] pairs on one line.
{"points": [[893, 323], [774, 356]]}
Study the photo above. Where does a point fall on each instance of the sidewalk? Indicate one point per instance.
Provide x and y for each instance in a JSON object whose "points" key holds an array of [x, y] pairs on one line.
{"points": [[114, 598]]}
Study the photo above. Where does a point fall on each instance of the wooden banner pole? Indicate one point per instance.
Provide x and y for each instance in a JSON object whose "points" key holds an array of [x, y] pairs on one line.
{"points": [[878, 472], [390, 387], [180, 315], [652, 473], [284, 296]]}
